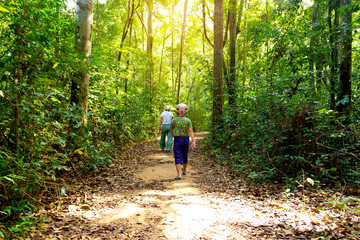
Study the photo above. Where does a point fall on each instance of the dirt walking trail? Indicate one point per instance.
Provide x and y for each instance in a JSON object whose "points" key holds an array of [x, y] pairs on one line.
{"points": [[138, 198]]}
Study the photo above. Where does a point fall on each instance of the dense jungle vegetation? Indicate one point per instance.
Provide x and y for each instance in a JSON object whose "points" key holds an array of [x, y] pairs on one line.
{"points": [[274, 82]]}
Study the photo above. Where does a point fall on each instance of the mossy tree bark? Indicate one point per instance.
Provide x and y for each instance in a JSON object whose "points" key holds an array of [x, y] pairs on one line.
{"points": [[83, 43]]}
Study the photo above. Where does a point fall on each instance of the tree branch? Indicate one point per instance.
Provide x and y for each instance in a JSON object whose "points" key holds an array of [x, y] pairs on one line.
{"points": [[204, 25]]}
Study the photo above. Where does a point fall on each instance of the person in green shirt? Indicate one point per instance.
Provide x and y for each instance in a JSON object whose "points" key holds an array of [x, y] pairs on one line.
{"points": [[181, 129]]}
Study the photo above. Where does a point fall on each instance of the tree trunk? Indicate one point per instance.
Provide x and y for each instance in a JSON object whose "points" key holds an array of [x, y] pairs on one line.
{"points": [[345, 59], [127, 26], [242, 2], [312, 46], [83, 37], [333, 41], [218, 62], [128, 59], [149, 47], [98, 24], [162, 54], [181, 53], [244, 54], [16, 88], [172, 47], [204, 23], [232, 79]]}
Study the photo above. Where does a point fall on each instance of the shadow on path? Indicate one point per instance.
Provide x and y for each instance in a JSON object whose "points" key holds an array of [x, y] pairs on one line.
{"points": [[138, 198]]}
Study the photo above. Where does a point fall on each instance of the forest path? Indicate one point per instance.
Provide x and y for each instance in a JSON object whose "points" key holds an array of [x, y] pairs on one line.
{"points": [[138, 198]]}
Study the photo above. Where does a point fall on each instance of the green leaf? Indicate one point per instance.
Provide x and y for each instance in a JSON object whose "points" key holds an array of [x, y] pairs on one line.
{"points": [[55, 65], [78, 124], [334, 169], [2, 9], [15, 229], [55, 100], [9, 179], [86, 131], [59, 167], [3, 196], [88, 114], [80, 150]]}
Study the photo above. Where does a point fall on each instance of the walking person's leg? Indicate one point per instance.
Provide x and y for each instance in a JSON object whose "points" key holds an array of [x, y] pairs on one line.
{"points": [[169, 141], [185, 154], [162, 138], [178, 156]]}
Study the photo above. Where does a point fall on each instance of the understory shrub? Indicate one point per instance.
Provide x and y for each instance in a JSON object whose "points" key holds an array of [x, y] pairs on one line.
{"points": [[278, 141]]}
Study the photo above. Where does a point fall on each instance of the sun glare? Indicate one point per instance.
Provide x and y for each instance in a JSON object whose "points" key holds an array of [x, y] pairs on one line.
{"points": [[72, 3]]}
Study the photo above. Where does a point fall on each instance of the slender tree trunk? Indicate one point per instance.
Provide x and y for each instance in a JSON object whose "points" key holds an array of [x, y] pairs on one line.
{"points": [[142, 30], [218, 65], [128, 60], [244, 54], [312, 46], [17, 81], [238, 30], [346, 62], [204, 23], [172, 47], [149, 47], [162, 54], [226, 29], [128, 23], [238, 23], [333, 41], [98, 23], [83, 39], [232, 79], [267, 43], [181, 53], [203, 43], [190, 89]]}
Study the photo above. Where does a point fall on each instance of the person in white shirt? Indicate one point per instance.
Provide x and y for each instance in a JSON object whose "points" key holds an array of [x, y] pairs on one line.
{"points": [[164, 128]]}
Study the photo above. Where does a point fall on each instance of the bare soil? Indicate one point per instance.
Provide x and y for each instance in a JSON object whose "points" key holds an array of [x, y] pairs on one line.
{"points": [[138, 198]]}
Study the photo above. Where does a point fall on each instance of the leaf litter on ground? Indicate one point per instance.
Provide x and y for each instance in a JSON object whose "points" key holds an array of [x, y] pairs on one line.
{"points": [[211, 202]]}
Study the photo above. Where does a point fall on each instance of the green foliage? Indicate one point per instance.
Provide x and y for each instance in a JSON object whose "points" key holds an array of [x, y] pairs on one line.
{"points": [[283, 123], [343, 204], [38, 62], [278, 141]]}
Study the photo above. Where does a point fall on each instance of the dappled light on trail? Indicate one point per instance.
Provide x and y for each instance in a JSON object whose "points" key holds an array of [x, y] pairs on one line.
{"points": [[138, 198]]}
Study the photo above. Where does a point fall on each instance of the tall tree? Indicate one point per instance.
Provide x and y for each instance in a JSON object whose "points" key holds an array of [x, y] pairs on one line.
{"points": [[218, 64], [242, 53], [333, 40], [313, 40], [162, 55], [128, 59], [204, 23], [333, 5], [131, 11], [181, 53], [345, 59], [231, 83], [172, 47], [149, 48], [83, 39]]}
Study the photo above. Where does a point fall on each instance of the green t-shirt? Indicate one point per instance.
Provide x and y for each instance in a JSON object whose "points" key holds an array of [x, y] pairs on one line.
{"points": [[181, 126]]}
